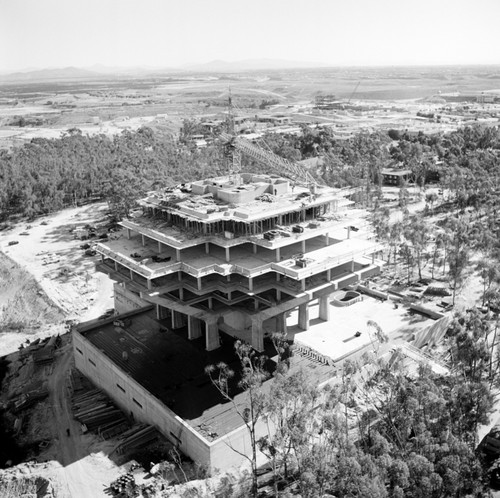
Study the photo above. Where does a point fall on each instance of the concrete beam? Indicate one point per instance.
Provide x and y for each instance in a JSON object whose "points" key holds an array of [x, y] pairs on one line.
{"points": [[304, 316]]}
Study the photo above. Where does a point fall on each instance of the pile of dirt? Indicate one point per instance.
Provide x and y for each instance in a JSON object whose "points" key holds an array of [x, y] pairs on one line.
{"points": [[23, 304]]}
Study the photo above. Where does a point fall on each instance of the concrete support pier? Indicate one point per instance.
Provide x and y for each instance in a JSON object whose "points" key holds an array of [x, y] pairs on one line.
{"points": [[324, 308], [257, 335], [304, 316], [212, 340], [194, 328]]}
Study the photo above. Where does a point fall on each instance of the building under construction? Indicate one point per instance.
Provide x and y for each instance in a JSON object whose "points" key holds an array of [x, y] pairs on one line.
{"points": [[207, 263]]}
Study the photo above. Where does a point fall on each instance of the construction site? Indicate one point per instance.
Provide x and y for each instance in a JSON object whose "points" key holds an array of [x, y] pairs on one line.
{"points": [[236, 257]]}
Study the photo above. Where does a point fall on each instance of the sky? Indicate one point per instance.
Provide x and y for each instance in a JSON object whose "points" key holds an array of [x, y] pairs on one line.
{"points": [[172, 33]]}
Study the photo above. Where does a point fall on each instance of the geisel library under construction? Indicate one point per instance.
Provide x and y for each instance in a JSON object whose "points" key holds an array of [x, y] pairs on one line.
{"points": [[207, 263]]}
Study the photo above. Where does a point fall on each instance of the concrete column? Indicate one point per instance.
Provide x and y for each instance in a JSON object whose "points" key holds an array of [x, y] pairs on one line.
{"points": [[159, 246], [127, 230], [278, 295], [250, 284], [150, 284], [179, 276], [229, 295], [278, 277], [177, 319], [352, 265], [102, 258], [198, 281], [304, 246], [254, 248], [373, 258], [228, 278], [131, 275], [324, 308], [116, 266], [257, 334], [281, 323], [303, 284], [278, 255], [304, 316], [256, 305], [178, 254], [210, 303], [158, 312], [207, 247], [143, 239], [181, 294], [329, 274], [327, 239], [194, 328], [349, 232], [227, 255], [212, 340]]}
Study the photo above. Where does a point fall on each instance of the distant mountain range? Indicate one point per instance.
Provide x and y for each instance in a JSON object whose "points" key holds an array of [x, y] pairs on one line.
{"points": [[98, 70]]}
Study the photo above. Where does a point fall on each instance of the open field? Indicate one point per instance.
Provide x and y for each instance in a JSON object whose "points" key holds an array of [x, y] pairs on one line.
{"points": [[109, 105]]}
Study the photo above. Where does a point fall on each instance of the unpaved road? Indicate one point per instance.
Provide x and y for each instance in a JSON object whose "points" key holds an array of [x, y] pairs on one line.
{"points": [[80, 473]]}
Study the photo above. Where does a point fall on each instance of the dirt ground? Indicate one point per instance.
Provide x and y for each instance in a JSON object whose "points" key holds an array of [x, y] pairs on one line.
{"points": [[52, 255], [76, 465]]}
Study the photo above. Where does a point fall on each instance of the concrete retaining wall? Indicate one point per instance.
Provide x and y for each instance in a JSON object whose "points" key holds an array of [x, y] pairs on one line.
{"points": [[136, 401]]}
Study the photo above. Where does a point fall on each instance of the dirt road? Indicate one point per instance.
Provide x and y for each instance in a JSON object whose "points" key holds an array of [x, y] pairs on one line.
{"points": [[80, 473]]}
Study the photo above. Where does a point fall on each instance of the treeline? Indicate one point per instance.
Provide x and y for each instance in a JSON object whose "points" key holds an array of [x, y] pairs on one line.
{"points": [[381, 429], [464, 161], [46, 175]]}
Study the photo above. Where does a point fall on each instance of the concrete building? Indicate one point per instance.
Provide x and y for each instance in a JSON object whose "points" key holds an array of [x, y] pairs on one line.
{"points": [[206, 264]]}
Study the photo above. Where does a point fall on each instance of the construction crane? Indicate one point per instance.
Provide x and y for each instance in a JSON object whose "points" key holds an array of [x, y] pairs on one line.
{"points": [[282, 166]]}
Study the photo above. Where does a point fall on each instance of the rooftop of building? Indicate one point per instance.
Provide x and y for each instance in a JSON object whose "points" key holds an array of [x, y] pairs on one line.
{"points": [[242, 197], [172, 368]]}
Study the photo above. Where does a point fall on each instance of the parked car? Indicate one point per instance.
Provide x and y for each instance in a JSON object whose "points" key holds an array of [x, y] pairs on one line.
{"points": [[24, 233], [13, 242]]}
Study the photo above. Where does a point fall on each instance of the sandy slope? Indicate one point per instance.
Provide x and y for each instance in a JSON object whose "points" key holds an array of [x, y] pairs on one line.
{"points": [[68, 277]]}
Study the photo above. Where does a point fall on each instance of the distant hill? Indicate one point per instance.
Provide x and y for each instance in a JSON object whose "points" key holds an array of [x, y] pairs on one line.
{"points": [[65, 73], [249, 65], [98, 71]]}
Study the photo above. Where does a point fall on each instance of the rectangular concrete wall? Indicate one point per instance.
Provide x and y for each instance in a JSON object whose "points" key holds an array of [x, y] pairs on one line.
{"points": [[134, 400]]}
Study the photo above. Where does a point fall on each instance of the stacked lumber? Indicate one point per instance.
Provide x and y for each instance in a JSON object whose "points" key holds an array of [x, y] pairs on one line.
{"points": [[97, 413], [137, 437]]}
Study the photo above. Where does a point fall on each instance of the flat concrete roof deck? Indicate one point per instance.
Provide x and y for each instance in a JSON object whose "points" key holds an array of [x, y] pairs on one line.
{"points": [[172, 368], [198, 206], [336, 337]]}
